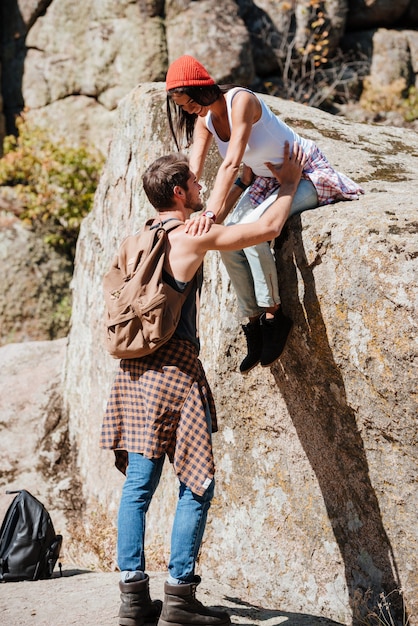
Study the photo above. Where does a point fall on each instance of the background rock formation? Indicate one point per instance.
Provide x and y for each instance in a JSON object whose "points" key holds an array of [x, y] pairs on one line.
{"points": [[70, 63], [316, 458], [35, 280]]}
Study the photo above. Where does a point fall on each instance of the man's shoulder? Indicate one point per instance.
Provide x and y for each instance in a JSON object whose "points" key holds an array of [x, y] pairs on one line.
{"points": [[186, 248], [180, 239]]}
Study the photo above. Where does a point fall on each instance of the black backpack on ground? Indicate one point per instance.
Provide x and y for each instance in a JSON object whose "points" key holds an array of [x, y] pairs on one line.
{"points": [[29, 547]]}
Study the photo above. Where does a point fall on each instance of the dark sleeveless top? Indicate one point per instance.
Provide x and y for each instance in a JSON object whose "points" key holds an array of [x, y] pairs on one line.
{"points": [[187, 326]]}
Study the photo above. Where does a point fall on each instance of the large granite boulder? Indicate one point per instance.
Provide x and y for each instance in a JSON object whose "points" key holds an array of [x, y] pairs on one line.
{"points": [[316, 457], [35, 448], [94, 51]]}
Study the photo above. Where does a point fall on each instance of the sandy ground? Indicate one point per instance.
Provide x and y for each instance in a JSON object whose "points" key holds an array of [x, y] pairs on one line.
{"points": [[92, 599]]}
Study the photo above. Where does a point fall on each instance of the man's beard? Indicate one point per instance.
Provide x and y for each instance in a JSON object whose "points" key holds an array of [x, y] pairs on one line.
{"points": [[194, 205]]}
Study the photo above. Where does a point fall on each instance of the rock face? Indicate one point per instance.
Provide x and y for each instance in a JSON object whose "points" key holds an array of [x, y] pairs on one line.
{"points": [[395, 57], [226, 35], [36, 453], [35, 297], [316, 458]]}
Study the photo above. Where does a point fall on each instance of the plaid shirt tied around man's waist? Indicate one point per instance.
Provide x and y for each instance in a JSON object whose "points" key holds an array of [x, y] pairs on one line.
{"points": [[330, 185], [162, 404]]}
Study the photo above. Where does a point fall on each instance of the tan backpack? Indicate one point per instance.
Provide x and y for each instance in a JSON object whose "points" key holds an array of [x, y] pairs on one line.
{"points": [[142, 310]]}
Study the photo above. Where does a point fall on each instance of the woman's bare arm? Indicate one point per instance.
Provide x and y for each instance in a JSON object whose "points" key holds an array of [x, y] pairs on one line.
{"points": [[202, 140], [245, 111]]}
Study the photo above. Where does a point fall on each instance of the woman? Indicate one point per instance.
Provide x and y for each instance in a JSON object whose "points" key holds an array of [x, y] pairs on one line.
{"points": [[246, 131]]}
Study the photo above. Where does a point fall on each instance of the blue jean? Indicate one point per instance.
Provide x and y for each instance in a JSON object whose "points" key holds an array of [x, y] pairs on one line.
{"points": [[253, 270], [142, 479]]}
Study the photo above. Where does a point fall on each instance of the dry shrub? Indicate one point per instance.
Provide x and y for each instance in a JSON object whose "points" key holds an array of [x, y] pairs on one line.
{"points": [[309, 69], [371, 609], [377, 98], [92, 544], [92, 541]]}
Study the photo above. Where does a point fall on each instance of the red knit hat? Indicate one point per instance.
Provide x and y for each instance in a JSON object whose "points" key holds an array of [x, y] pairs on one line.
{"points": [[187, 72]]}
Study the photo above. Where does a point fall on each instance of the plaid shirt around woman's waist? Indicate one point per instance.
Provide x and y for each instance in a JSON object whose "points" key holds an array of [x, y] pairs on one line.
{"points": [[330, 184]]}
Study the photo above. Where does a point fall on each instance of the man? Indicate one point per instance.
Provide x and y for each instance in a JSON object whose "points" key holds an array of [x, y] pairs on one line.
{"points": [[161, 404]]}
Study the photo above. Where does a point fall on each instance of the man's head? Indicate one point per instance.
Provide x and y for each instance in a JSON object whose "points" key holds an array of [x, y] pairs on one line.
{"points": [[168, 178]]}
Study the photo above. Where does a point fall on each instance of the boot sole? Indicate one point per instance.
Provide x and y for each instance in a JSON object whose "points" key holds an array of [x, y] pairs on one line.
{"points": [[225, 622], [145, 621], [243, 372], [129, 621]]}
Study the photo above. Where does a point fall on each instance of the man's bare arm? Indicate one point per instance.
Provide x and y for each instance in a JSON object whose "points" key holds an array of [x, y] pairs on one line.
{"points": [[189, 251], [269, 225]]}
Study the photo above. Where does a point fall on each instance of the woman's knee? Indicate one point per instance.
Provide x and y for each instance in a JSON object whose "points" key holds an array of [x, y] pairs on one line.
{"points": [[306, 197]]}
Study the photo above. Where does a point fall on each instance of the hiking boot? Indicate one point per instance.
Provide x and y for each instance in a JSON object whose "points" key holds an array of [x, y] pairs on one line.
{"points": [[180, 608], [252, 332], [136, 607], [275, 333]]}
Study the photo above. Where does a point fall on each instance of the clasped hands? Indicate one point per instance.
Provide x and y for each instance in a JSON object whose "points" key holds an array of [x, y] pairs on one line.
{"points": [[288, 172]]}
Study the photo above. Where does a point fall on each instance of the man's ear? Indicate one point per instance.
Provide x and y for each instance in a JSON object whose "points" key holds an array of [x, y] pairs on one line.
{"points": [[179, 192]]}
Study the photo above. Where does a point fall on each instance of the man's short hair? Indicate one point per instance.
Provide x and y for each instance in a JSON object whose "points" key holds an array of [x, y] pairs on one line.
{"points": [[160, 178]]}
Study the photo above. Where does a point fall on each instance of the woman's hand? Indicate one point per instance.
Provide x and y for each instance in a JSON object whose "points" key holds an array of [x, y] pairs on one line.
{"points": [[198, 225]]}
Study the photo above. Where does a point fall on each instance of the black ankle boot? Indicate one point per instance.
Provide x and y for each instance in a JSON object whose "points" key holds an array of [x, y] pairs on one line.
{"points": [[275, 333], [136, 607], [254, 339], [180, 608]]}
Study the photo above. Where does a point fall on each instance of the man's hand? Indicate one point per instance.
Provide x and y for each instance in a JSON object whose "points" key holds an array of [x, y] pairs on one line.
{"points": [[290, 171]]}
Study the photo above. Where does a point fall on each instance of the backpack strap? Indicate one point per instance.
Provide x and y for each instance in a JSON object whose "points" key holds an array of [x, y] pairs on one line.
{"points": [[152, 226]]}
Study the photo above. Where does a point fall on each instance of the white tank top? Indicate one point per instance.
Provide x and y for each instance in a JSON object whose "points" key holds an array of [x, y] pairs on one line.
{"points": [[267, 138]]}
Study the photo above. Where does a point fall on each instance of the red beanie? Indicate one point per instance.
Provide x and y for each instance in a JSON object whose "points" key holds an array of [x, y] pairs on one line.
{"points": [[187, 72]]}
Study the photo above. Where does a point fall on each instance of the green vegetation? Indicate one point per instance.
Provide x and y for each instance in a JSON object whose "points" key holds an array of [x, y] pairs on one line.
{"points": [[410, 105], [53, 183]]}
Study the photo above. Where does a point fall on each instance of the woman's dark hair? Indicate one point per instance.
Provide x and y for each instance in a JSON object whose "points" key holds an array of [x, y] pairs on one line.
{"points": [[160, 178], [181, 123]]}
